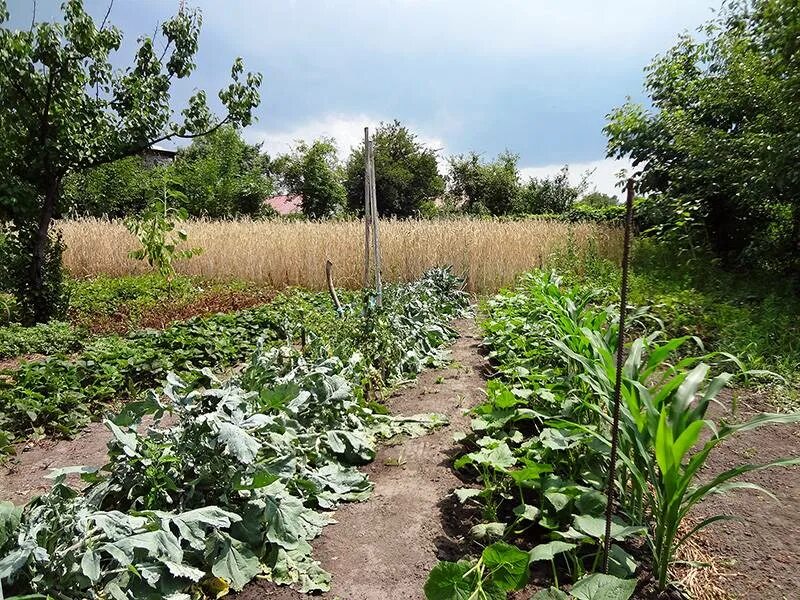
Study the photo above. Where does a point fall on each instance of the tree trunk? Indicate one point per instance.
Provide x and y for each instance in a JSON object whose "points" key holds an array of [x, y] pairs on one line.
{"points": [[39, 301]]}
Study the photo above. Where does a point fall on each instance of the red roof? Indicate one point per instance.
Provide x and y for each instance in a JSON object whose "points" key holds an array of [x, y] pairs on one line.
{"points": [[285, 205]]}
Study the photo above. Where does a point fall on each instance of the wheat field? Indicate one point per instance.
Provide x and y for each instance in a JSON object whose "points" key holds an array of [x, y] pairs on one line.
{"points": [[279, 253]]}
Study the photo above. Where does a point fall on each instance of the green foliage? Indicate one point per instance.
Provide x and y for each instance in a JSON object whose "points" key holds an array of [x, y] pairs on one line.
{"points": [[540, 443], [131, 294], [721, 143], [501, 568], [54, 337], [221, 176], [750, 314], [114, 190], [315, 174], [155, 230], [236, 487], [406, 173], [51, 295], [495, 188], [553, 194], [598, 200], [485, 187], [64, 108]]}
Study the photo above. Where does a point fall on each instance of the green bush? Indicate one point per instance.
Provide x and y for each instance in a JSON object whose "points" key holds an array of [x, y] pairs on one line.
{"points": [[54, 337]]}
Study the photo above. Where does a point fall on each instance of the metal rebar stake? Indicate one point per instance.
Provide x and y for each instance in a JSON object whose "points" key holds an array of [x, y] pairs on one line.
{"points": [[623, 306]]}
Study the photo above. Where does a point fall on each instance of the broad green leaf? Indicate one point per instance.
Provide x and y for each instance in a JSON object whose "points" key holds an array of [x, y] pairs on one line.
{"points": [[488, 531], [592, 502], [596, 527], [232, 561], [238, 442], [549, 550], [464, 494], [620, 563], [449, 581], [599, 586], [527, 512], [90, 565], [508, 565]]}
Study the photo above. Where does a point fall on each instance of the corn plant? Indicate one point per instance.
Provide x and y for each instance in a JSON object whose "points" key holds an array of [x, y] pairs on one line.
{"points": [[661, 421]]}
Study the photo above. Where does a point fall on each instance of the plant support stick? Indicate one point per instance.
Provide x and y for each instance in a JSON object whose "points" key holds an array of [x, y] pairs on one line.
{"points": [[367, 208], [623, 300], [376, 246]]}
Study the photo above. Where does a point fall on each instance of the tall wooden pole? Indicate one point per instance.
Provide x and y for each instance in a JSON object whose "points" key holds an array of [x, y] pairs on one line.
{"points": [[367, 207], [376, 243], [623, 308]]}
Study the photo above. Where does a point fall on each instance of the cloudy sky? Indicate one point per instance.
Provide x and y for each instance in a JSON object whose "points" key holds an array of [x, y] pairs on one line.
{"points": [[533, 76]]}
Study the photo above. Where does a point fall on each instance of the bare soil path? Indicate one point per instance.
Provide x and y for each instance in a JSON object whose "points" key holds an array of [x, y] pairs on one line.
{"points": [[383, 549], [760, 553]]}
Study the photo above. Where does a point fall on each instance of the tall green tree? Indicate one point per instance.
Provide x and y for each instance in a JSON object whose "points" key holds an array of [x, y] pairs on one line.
{"points": [[554, 194], [720, 148], [485, 187], [406, 173], [116, 189], [314, 173], [63, 108], [222, 176]]}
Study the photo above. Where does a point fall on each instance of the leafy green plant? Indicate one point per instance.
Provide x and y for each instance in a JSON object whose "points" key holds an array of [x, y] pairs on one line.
{"points": [[155, 230], [540, 443], [501, 568], [54, 337], [237, 486]]}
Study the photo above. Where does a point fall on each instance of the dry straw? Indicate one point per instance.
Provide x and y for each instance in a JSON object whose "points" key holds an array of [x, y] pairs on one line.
{"points": [[293, 253]]}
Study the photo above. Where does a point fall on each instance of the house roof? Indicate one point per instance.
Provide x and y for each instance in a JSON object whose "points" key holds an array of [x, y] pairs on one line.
{"points": [[161, 150], [285, 205]]}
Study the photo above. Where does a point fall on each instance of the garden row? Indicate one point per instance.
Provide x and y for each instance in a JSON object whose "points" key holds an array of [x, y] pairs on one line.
{"points": [[61, 394], [242, 482], [540, 445]]}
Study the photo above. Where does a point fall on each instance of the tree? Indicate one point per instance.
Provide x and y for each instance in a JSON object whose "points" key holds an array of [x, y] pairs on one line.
{"points": [[406, 173], [550, 195], [63, 108], [485, 187], [599, 200], [314, 173], [117, 189], [720, 148], [222, 176]]}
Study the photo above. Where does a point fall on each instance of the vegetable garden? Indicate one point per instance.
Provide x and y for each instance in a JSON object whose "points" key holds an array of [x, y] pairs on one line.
{"points": [[234, 438], [237, 486]]}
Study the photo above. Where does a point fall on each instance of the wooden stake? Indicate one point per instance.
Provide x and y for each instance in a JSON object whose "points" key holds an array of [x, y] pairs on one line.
{"points": [[376, 244], [331, 289], [623, 307], [367, 208]]}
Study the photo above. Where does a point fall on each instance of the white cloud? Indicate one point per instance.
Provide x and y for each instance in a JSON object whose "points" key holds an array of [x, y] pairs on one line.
{"points": [[602, 174], [346, 130]]}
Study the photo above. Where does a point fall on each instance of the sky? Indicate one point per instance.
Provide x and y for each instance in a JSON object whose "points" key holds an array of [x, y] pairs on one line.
{"points": [[536, 77]]}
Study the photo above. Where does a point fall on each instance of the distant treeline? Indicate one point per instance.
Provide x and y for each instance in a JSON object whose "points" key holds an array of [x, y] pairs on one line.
{"points": [[221, 176]]}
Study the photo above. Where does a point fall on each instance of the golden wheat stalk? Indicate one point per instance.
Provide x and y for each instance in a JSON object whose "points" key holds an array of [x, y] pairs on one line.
{"points": [[281, 253]]}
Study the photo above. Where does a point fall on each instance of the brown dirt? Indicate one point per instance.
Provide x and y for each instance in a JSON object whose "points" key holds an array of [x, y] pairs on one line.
{"points": [[23, 476], [762, 551], [164, 314], [384, 548]]}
